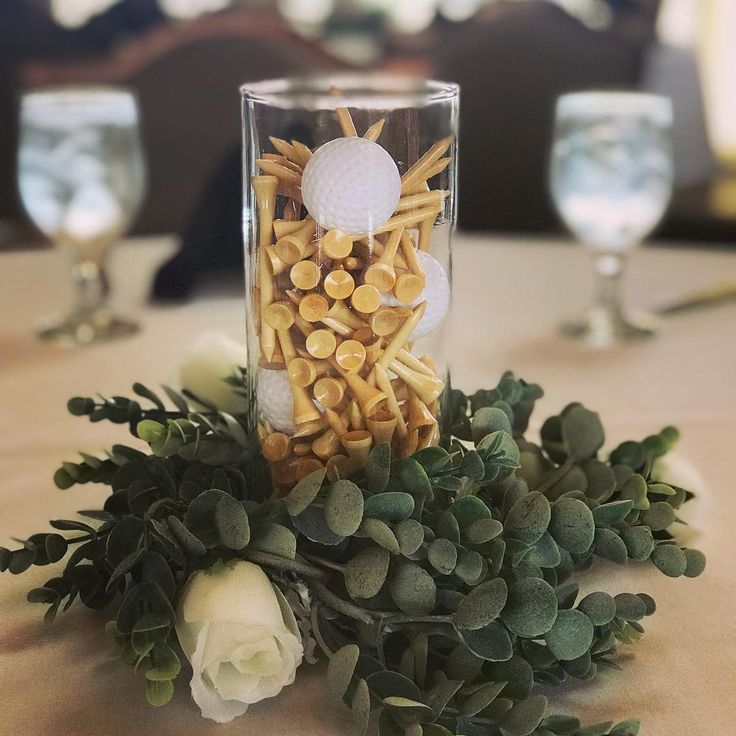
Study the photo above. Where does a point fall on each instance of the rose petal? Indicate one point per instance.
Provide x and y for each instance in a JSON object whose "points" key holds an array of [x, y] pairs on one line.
{"points": [[210, 703]]}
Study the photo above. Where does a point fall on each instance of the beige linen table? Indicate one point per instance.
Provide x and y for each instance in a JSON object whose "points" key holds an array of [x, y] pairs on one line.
{"points": [[65, 679]]}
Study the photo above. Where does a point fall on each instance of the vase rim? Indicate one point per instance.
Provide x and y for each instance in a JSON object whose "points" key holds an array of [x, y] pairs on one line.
{"points": [[375, 90]]}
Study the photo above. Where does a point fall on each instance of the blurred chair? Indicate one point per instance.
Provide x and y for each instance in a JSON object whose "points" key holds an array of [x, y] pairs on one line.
{"points": [[512, 62], [187, 77]]}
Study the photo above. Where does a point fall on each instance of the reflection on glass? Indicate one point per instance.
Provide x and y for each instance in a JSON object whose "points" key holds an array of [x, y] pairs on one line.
{"points": [[611, 180], [81, 178]]}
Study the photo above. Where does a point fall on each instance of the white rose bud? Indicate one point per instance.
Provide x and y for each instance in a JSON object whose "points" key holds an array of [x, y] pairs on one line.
{"points": [[213, 358], [240, 636]]}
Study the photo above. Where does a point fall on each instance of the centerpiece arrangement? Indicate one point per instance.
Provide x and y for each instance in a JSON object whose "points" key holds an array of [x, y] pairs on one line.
{"points": [[337, 499]]}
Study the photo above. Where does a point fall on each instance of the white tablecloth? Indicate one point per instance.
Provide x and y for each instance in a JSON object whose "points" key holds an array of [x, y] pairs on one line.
{"points": [[509, 295]]}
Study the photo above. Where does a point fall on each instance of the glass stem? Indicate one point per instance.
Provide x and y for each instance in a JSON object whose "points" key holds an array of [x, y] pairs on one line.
{"points": [[608, 269], [91, 285]]}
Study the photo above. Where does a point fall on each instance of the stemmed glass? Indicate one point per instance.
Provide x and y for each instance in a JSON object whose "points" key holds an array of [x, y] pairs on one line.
{"points": [[611, 180], [81, 177]]}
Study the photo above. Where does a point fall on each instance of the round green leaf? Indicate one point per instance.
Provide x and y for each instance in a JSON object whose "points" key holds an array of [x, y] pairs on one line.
{"points": [[469, 509], [410, 535], [572, 525], [378, 467], [491, 643], [486, 420], [531, 607], [599, 607], [344, 508], [482, 531], [386, 684], [670, 560], [694, 563], [360, 705], [380, 532], [231, 523], [304, 492], [516, 672], [630, 607], [635, 489], [482, 605], [312, 524], [159, 692], [610, 546], [340, 669], [412, 589], [475, 698], [525, 716], [56, 547], [409, 709], [469, 566], [658, 516], [366, 573], [390, 506], [582, 432], [528, 518], [570, 636], [442, 555], [639, 542]]}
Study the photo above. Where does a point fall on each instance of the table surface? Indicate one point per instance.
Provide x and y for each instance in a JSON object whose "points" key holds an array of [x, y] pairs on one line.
{"points": [[509, 295]]}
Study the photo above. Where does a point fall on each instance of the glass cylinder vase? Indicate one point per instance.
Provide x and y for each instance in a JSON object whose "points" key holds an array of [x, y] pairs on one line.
{"points": [[349, 207]]}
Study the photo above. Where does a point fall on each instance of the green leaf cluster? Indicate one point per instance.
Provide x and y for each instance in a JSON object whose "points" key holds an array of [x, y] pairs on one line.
{"points": [[441, 586]]}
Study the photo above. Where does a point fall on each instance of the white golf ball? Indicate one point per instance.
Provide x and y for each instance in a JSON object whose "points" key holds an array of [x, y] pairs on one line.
{"points": [[436, 293], [275, 401], [351, 184]]}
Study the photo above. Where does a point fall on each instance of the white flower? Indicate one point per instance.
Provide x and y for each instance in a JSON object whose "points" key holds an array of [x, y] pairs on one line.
{"points": [[241, 638], [213, 358]]}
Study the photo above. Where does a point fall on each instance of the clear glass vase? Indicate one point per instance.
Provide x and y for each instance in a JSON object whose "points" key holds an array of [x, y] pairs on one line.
{"points": [[349, 207]]}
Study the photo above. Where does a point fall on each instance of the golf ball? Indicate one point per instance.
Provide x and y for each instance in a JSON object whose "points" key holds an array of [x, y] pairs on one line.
{"points": [[436, 293], [275, 401], [351, 184]]}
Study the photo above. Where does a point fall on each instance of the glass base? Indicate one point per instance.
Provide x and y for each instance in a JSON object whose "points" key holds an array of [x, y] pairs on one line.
{"points": [[601, 328], [79, 330]]}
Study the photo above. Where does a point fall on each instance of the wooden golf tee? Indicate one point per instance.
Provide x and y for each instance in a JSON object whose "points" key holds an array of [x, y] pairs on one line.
{"points": [[346, 122], [305, 275], [268, 333], [367, 396], [275, 446], [282, 228], [350, 355], [382, 426], [302, 154], [410, 255], [366, 299], [283, 147], [416, 174], [328, 391], [339, 284], [402, 335], [358, 445], [338, 466], [326, 445], [279, 315], [374, 131], [393, 405], [337, 244], [381, 273], [293, 248], [304, 372], [419, 414], [427, 388], [285, 175]]}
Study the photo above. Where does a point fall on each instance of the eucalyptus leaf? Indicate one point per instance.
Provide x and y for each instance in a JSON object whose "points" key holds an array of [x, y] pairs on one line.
{"points": [[344, 508], [391, 506], [528, 518], [304, 492], [340, 669], [531, 607], [366, 573], [482, 605], [570, 636], [412, 589]]}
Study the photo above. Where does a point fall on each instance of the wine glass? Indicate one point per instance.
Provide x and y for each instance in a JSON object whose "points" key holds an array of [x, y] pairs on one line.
{"points": [[611, 179], [81, 178]]}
